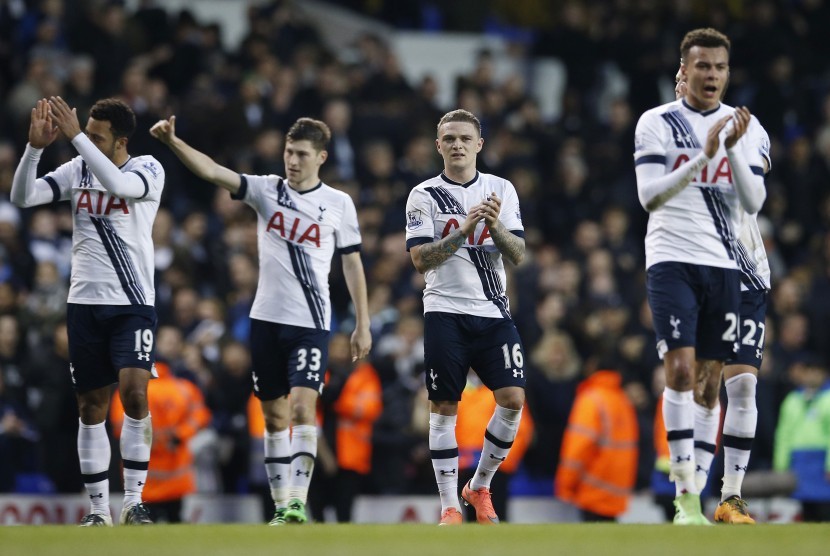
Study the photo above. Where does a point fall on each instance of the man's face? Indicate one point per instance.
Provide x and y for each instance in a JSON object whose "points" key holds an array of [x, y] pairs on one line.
{"points": [[706, 72], [302, 161], [100, 133], [458, 143]]}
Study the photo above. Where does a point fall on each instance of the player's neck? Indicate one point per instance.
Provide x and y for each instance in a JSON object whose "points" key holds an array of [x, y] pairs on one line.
{"points": [[121, 157], [460, 176], [305, 185], [701, 105]]}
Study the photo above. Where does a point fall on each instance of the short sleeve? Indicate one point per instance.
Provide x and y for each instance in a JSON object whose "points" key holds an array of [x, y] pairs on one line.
{"points": [[511, 214], [152, 176], [62, 178], [758, 147], [347, 235], [419, 223], [649, 143], [252, 189]]}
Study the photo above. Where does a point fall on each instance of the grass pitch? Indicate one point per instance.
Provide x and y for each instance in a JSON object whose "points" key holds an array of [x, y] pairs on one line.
{"points": [[416, 540]]}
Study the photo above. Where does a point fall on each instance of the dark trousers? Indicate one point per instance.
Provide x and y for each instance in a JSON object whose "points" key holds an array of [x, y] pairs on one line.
{"points": [[166, 512]]}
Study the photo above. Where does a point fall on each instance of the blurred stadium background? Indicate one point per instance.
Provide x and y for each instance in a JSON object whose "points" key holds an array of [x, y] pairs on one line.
{"points": [[558, 86]]}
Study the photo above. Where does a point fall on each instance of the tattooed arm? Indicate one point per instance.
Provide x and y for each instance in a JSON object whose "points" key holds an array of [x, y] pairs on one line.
{"points": [[430, 255], [508, 244]]}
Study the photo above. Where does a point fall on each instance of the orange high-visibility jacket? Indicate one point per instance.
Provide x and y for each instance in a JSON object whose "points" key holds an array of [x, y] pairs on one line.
{"points": [[358, 407], [474, 412], [599, 451], [178, 412]]}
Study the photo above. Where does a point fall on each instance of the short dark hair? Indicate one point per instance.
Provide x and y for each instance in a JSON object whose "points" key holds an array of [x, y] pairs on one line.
{"points": [[705, 38], [120, 116], [460, 115], [309, 129]]}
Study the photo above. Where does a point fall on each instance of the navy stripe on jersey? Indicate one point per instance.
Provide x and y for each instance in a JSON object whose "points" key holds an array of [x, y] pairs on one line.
{"points": [[757, 170], [56, 191], [120, 259], [283, 198], [490, 280], [86, 181], [305, 275], [684, 134], [719, 211], [447, 204], [651, 159], [143, 179], [749, 272]]}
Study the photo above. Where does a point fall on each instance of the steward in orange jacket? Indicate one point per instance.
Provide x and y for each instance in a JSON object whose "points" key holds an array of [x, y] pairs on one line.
{"points": [[598, 465], [358, 407], [179, 412], [474, 411]]}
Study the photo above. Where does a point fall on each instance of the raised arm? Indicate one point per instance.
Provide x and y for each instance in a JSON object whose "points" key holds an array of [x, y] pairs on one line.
{"points": [[27, 190], [356, 282], [121, 184], [197, 162]]}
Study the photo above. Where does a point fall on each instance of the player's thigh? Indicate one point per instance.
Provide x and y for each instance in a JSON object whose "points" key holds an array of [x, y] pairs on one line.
{"points": [[498, 356], [673, 296], [751, 333], [102, 341], [269, 361], [718, 321], [308, 357], [446, 355], [132, 339]]}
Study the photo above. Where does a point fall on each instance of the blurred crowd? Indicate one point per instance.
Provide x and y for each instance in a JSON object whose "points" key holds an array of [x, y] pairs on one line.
{"points": [[580, 291]]}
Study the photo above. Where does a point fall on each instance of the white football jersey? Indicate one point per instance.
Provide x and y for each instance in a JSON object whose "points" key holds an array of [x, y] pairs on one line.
{"points": [[112, 244], [297, 233], [699, 225], [756, 274], [472, 281]]}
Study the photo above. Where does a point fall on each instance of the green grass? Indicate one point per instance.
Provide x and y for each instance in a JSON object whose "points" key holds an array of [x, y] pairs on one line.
{"points": [[420, 540]]}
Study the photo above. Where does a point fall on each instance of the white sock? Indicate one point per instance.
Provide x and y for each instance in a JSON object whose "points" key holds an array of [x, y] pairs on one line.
{"points": [[443, 448], [738, 431], [498, 439], [278, 465], [136, 441], [94, 455], [303, 452], [707, 422], [679, 416]]}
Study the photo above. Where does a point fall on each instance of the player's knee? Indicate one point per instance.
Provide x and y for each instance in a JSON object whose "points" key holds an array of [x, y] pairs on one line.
{"points": [[511, 398], [680, 376], [135, 403], [301, 414]]}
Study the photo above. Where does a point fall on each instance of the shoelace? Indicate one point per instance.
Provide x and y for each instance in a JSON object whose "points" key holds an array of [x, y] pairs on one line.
{"points": [[739, 504]]}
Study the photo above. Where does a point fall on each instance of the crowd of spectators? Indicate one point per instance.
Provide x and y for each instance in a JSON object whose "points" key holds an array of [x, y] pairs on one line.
{"points": [[581, 289]]}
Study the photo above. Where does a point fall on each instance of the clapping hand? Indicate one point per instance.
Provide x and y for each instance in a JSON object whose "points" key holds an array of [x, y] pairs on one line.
{"points": [[64, 117], [42, 131]]}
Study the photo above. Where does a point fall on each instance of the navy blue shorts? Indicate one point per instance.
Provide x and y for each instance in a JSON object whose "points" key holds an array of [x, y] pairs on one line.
{"points": [[695, 306], [103, 339], [453, 343], [752, 334], [284, 356]]}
